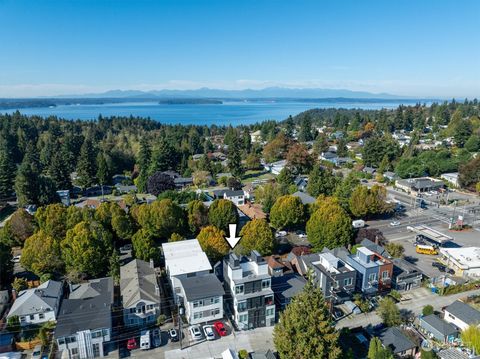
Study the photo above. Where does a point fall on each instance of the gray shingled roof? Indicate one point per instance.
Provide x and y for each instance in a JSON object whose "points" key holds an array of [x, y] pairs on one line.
{"points": [[464, 312], [439, 324], [304, 197], [86, 312], [289, 285], [204, 286], [37, 300], [138, 281], [394, 339]]}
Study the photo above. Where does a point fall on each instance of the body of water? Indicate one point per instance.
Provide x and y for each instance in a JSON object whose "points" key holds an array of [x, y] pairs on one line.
{"points": [[230, 112]]}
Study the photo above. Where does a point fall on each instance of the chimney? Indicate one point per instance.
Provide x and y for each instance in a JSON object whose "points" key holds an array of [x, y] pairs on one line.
{"points": [[151, 263]]}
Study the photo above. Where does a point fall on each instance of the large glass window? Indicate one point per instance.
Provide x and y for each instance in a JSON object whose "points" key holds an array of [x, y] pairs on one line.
{"points": [[372, 277], [265, 283], [347, 282], [385, 274], [242, 306], [270, 312], [243, 318], [239, 289]]}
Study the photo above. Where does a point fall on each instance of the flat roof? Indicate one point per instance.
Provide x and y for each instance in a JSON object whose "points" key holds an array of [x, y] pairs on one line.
{"points": [[184, 257], [463, 257], [430, 233]]}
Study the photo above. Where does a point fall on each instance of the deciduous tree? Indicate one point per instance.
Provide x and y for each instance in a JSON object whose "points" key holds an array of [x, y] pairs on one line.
{"points": [[197, 214], [221, 213], [287, 212], [41, 254], [389, 312], [213, 242], [144, 246], [159, 182], [256, 235]]}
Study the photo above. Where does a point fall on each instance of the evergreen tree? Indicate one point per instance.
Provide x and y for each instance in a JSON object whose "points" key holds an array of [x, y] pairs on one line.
{"points": [[7, 171], [59, 172], [164, 157], [305, 330], [321, 181], [235, 158], [103, 172], [305, 133], [27, 181], [143, 161], [86, 166], [289, 127]]}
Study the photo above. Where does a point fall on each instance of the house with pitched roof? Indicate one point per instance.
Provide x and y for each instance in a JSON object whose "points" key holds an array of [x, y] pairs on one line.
{"points": [[398, 342], [462, 315], [435, 327], [140, 293], [38, 305], [84, 323]]}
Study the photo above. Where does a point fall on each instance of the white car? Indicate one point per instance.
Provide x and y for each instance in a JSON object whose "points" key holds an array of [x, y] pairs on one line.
{"points": [[395, 223], [209, 333], [280, 234], [195, 332], [16, 259]]}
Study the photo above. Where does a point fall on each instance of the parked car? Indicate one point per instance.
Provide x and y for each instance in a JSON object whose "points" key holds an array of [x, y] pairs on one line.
{"points": [[195, 332], [338, 313], [220, 328], [450, 271], [126, 248], [394, 223], [145, 340], [359, 223], [439, 265], [280, 234], [37, 352], [157, 339], [172, 333], [16, 259], [209, 333], [132, 344]]}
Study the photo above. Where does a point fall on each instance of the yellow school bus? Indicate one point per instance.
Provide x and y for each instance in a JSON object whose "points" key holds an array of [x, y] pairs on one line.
{"points": [[424, 249]]}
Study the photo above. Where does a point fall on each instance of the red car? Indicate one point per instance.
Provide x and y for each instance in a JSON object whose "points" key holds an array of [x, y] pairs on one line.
{"points": [[220, 328], [131, 344]]}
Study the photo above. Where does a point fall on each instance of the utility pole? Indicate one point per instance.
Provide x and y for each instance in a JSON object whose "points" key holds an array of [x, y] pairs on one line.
{"points": [[180, 333]]}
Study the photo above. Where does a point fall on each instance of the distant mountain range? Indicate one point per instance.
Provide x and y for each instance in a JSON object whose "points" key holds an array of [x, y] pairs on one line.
{"points": [[269, 92]]}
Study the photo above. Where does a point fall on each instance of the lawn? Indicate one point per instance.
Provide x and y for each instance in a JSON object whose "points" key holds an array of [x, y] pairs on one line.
{"points": [[251, 176]]}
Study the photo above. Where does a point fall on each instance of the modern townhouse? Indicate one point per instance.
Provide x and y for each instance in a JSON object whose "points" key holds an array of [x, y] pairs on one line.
{"points": [[184, 259], [38, 305], [202, 298], [335, 277], [374, 272], [247, 280], [140, 293], [405, 275], [84, 323]]}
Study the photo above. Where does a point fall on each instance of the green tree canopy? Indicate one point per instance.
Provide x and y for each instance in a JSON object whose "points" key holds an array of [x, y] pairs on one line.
{"points": [[329, 226], [144, 246], [221, 213], [427, 310], [257, 235], [321, 181], [162, 218], [52, 220], [304, 330], [389, 312], [287, 212], [197, 214], [86, 249], [267, 194], [41, 254], [377, 351]]}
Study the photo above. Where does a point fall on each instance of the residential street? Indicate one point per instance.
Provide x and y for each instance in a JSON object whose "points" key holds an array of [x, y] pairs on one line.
{"points": [[419, 298]]}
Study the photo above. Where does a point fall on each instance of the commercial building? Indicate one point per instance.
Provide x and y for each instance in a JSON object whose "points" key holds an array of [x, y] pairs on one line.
{"points": [[247, 280], [419, 185], [465, 261]]}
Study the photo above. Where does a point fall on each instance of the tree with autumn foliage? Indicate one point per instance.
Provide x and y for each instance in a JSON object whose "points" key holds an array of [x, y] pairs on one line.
{"points": [[197, 214], [212, 240], [299, 159], [275, 149], [256, 235]]}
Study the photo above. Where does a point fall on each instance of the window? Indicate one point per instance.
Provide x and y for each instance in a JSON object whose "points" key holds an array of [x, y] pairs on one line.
{"points": [[215, 311], [242, 306], [197, 315], [198, 303], [74, 352], [105, 332], [97, 334], [243, 318], [32, 316], [385, 274], [41, 316], [61, 341], [270, 312], [96, 350], [265, 283], [372, 277], [239, 289], [22, 319], [132, 310], [269, 300], [191, 274], [347, 282]]}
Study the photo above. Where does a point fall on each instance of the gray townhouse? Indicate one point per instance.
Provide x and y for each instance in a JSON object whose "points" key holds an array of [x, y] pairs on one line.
{"points": [[247, 280]]}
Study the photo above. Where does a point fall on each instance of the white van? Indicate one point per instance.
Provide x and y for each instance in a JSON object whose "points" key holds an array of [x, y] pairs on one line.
{"points": [[145, 340], [359, 223]]}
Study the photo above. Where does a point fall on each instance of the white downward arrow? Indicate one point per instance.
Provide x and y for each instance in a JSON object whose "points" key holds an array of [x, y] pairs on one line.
{"points": [[232, 240]]}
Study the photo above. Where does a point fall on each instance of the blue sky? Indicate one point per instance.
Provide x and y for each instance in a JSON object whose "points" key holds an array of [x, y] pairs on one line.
{"points": [[427, 48]]}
